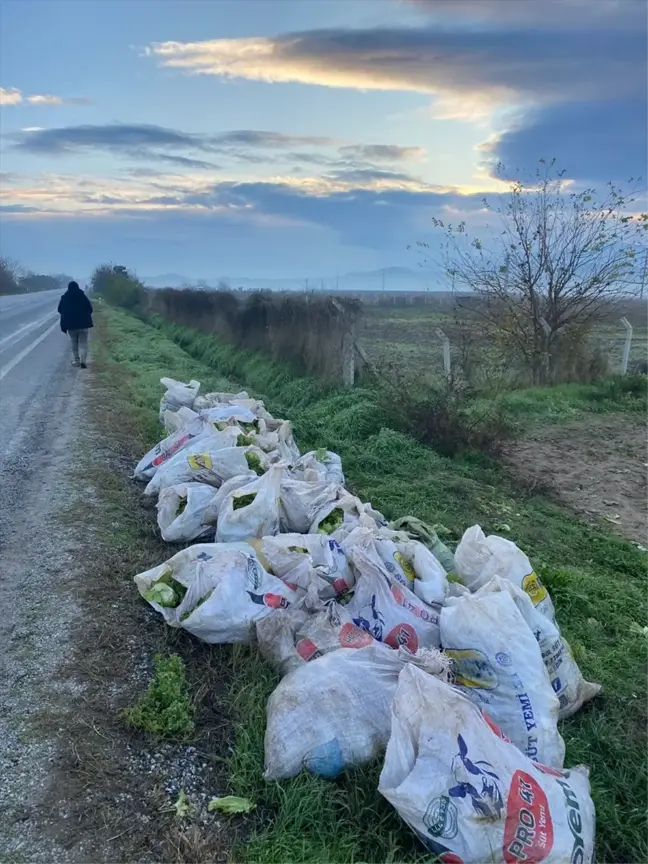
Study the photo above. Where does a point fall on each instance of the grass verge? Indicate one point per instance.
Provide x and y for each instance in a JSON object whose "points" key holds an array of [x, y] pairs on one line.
{"points": [[597, 580]]}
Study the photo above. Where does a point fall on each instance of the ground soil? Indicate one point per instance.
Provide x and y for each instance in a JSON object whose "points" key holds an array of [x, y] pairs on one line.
{"points": [[597, 466]]}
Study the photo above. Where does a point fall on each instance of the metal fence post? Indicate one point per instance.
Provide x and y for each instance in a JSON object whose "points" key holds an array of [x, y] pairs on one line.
{"points": [[626, 348]]}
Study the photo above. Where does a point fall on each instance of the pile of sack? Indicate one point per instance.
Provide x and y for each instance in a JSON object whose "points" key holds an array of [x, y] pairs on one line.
{"points": [[450, 665]]}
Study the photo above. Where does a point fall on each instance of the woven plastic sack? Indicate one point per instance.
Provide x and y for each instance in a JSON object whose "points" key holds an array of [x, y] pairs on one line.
{"points": [[471, 796]]}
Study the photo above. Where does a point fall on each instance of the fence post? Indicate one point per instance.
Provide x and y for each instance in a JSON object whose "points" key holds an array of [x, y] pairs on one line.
{"points": [[626, 348], [446, 352], [348, 345]]}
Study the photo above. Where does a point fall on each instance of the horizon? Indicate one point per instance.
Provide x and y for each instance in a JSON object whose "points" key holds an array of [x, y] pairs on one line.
{"points": [[281, 139]]}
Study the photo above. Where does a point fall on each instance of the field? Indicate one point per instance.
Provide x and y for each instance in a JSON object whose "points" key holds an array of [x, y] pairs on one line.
{"points": [[597, 580], [406, 338]]}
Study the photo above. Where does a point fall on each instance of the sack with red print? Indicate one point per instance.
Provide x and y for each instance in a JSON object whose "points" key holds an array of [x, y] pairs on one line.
{"points": [[302, 560], [388, 610], [215, 591], [306, 630], [469, 794]]}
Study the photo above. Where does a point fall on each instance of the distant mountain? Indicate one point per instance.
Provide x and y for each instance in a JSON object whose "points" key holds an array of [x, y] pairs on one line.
{"points": [[389, 279], [167, 280]]}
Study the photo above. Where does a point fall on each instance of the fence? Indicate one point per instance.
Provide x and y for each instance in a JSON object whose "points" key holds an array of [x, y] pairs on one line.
{"points": [[315, 334]]}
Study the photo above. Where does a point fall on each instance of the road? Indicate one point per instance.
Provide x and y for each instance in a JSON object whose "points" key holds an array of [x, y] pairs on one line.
{"points": [[41, 426]]}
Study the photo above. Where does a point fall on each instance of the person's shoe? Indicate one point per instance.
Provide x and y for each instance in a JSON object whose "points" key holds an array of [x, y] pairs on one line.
{"points": [[84, 366], [76, 362]]}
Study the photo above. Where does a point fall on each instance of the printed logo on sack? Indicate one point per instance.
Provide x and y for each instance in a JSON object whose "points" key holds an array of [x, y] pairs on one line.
{"points": [[353, 637], [532, 585], [400, 597], [200, 460], [274, 601], [575, 822], [371, 619], [528, 830], [406, 566], [477, 781], [171, 450], [253, 572], [440, 818], [307, 649], [403, 636], [472, 669]]}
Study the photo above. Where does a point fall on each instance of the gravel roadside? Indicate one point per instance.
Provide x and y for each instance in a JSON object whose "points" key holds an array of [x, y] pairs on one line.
{"points": [[40, 572]]}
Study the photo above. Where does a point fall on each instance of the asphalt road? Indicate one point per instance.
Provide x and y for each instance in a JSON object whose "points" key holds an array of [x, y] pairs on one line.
{"points": [[35, 366]]}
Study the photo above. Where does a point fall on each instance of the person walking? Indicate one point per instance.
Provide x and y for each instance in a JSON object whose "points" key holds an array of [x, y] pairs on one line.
{"points": [[76, 319]]}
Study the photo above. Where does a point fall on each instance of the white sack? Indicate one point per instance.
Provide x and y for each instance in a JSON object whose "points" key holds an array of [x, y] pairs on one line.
{"points": [[319, 466], [566, 679], [478, 558], [183, 512], [258, 518], [164, 450], [339, 518], [211, 400], [414, 566], [302, 501], [228, 413], [334, 712], [224, 490], [470, 795], [499, 666], [304, 560], [174, 420], [389, 610], [305, 631], [201, 463], [227, 591], [177, 395]]}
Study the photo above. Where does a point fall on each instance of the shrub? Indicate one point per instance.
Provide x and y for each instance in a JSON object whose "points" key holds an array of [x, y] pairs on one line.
{"points": [[118, 286], [445, 417], [165, 710]]}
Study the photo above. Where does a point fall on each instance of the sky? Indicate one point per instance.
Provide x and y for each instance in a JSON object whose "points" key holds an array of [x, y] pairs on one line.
{"points": [[297, 138]]}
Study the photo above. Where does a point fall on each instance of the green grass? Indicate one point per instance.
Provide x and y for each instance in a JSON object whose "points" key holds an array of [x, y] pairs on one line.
{"points": [[597, 580], [165, 709]]}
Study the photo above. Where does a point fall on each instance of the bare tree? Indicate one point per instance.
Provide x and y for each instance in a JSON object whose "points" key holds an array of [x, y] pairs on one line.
{"points": [[9, 276], [547, 276]]}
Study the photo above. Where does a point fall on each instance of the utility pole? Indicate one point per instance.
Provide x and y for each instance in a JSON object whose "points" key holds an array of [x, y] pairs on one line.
{"points": [[383, 280]]}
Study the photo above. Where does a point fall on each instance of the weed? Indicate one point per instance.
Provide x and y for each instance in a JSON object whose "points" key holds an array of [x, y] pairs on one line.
{"points": [[165, 710]]}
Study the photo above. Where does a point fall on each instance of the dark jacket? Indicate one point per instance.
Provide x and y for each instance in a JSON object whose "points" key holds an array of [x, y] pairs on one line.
{"points": [[75, 310]]}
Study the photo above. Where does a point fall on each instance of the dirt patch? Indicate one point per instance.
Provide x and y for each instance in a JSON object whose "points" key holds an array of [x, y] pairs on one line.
{"points": [[596, 466]]}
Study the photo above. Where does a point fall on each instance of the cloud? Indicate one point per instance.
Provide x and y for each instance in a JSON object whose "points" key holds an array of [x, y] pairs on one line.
{"points": [[13, 96], [388, 152], [539, 64], [57, 100], [10, 96], [272, 140], [188, 150], [550, 14], [594, 142]]}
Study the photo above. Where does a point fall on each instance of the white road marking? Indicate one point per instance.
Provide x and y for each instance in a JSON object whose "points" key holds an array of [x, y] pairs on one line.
{"points": [[26, 327], [16, 360]]}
